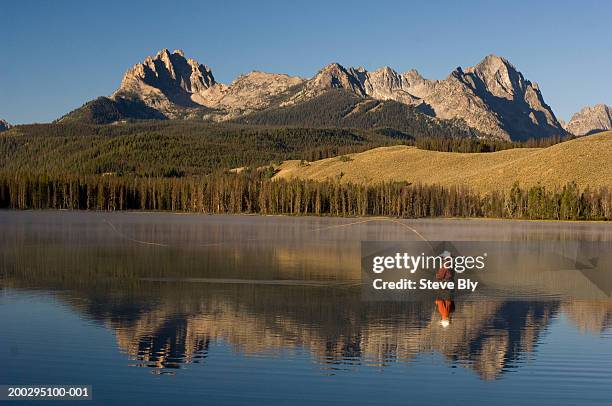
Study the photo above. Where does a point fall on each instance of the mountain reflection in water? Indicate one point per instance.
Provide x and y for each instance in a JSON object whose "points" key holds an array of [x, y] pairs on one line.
{"points": [[335, 327], [163, 285]]}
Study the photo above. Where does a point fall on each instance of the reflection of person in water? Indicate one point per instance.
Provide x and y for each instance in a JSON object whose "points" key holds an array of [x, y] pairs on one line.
{"points": [[445, 308], [446, 272], [445, 305]]}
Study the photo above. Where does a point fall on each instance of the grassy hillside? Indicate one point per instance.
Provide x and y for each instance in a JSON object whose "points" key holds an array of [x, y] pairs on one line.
{"points": [[585, 160], [169, 148]]}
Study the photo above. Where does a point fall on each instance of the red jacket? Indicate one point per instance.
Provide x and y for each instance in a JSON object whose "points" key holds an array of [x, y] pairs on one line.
{"points": [[444, 274], [445, 307]]}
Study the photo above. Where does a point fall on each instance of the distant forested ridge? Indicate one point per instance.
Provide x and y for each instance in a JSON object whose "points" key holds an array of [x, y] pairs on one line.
{"points": [[255, 192], [173, 148], [335, 108], [339, 108], [104, 110], [178, 148], [183, 166]]}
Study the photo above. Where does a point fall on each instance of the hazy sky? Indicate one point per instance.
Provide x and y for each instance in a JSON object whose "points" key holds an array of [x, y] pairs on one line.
{"points": [[56, 55]]}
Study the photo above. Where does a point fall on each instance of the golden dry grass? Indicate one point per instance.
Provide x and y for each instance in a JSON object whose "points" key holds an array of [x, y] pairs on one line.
{"points": [[587, 160]]}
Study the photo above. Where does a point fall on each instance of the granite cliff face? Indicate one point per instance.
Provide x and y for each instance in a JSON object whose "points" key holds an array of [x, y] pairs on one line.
{"points": [[381, 84], [4, 125], [491, 97], [251, 92], [173, 84], [591, 120], [167, 82]]}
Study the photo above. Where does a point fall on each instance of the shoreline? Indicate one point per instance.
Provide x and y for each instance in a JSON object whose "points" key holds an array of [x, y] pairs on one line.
{"points": [[194, 213]]}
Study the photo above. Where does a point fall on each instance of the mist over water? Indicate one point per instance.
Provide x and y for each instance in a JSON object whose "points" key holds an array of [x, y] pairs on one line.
{"points": [[230, 309]]}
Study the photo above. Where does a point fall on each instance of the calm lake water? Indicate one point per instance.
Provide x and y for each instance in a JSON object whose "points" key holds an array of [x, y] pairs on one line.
{"points": [[159, 308]]}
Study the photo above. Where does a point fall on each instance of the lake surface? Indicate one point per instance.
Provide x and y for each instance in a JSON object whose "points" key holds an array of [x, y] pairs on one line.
{"points": [[158, 308]]}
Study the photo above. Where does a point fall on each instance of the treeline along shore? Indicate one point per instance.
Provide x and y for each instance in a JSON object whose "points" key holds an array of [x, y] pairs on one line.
{"points": [[256, 193]]}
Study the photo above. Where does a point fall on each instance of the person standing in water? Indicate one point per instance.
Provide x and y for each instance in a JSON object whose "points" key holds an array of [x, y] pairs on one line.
{"points": [[446, 272]]}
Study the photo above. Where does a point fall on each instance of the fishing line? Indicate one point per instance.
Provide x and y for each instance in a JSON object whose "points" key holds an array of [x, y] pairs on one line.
{"points": [[377, 219], [112, 226], [412, 229], [341, 285]]}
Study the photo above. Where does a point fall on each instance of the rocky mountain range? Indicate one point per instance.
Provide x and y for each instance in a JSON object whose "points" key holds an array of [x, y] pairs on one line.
{"points": [[491, 97], [4, 125], [181, 87], [590, 120]]}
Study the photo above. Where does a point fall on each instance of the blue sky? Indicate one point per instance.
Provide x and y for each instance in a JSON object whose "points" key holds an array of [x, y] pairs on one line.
{"points": [[56, 55]]}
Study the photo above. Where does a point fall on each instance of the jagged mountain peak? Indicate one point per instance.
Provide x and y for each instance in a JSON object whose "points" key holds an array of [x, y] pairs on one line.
{"points": [[258, 74], [386, 70], [500, 77], [384, 78], [591, 119], [178, 86], [491, 96], [332, 67], [332, 70], [493, 65], [495, 62], [413, 76], [332, 76], [170, 73]]}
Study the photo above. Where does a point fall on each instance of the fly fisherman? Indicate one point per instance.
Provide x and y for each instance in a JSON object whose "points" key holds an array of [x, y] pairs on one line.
{"points": [[446, 272]]}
